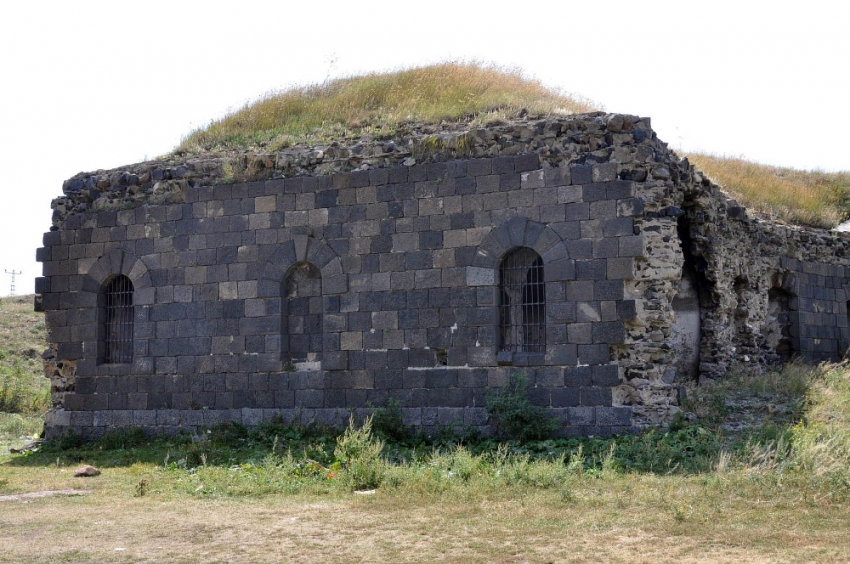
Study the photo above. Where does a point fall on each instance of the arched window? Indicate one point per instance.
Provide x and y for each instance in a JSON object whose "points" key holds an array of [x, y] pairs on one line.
{"points": [[116, 321], [522, 302], [302, 314]]}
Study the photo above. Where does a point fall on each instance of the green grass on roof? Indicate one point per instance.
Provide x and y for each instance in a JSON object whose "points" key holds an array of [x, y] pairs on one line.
{"points": [[377, 104]]}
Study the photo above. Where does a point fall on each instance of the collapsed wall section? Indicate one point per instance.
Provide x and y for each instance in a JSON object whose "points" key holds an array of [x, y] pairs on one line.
{"points": [[774, 292]]}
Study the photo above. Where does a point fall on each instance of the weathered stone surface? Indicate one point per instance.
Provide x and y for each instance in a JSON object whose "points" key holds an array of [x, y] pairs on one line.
{"points": [[402, 297]]}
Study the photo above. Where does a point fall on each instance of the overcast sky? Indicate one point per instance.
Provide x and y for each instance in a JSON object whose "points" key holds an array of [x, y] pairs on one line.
{"points": [[89, 85]]}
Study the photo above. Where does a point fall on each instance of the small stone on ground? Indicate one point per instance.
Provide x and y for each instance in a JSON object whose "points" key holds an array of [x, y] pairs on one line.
{"points": [[86, 471]]}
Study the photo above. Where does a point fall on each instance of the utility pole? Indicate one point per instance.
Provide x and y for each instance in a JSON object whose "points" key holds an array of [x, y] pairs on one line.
{"points": [[12, 273]]}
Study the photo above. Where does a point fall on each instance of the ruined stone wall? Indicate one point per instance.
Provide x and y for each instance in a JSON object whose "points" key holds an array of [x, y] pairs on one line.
{"points": [[765, 292], [332, 278], [754, 271]]}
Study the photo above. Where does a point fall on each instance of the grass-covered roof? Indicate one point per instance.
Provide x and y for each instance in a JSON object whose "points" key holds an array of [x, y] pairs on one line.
{"points": [[382, 105], [377, 104]]}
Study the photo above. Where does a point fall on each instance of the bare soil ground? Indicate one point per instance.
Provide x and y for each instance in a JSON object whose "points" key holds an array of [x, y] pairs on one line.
{"points": [[42, 493], [638, 519]]}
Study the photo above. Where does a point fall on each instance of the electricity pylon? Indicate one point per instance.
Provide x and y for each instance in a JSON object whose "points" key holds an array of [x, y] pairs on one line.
{"points": [[12, 273]]}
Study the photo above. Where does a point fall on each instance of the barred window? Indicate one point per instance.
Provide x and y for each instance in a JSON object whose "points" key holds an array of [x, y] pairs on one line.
{"points": [[522, 303], [116, 327]]}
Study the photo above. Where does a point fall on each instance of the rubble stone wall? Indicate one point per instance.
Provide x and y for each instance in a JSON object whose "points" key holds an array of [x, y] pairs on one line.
{"points": [[745, 261]]}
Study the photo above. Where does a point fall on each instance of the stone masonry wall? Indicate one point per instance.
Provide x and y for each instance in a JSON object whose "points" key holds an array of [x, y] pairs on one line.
{"points": [[409, 269], [314, 281]]}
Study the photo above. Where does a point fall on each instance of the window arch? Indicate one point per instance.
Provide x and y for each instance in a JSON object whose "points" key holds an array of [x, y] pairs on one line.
{"points": [[301, 307], [522, 302], [116, 321]]}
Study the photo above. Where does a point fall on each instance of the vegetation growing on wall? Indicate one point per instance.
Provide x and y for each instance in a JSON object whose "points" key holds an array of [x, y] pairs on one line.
{"points": [[804, 197], [377, 104], [381, 105]]}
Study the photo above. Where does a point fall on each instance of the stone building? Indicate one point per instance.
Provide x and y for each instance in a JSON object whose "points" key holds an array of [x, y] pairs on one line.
{"points": [[578, 251]]}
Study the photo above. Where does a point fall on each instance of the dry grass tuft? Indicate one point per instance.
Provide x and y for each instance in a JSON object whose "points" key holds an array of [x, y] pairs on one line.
{"points": [[805, 197], [821, 444], [377, 103]]}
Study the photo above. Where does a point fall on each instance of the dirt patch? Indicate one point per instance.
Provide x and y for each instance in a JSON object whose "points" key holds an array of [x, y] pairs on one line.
{"points": [[44, 493]]}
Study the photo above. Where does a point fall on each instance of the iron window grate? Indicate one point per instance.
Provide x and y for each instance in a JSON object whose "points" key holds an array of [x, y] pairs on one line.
{"points": [[522, 305], [118, 321]]}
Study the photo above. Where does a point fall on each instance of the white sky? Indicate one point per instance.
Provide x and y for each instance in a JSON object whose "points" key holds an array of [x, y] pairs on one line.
{"points": [[87, 85]]}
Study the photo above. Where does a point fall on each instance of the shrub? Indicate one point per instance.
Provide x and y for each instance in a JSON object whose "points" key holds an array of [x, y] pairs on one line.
{"points": [[708, 403], [21, 391], [388, 422], [458, 463], [543, 474], [11, 396], [359, 455], [513, 415], [23, 387], [692, 448]]}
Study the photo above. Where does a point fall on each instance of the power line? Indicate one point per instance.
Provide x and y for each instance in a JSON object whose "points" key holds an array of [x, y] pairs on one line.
{"points": [[12, 273]]}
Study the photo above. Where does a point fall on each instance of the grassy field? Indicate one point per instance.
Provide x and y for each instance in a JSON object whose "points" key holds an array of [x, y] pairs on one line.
{"points": [[24, 391], [775, 490], [632, 518]]}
